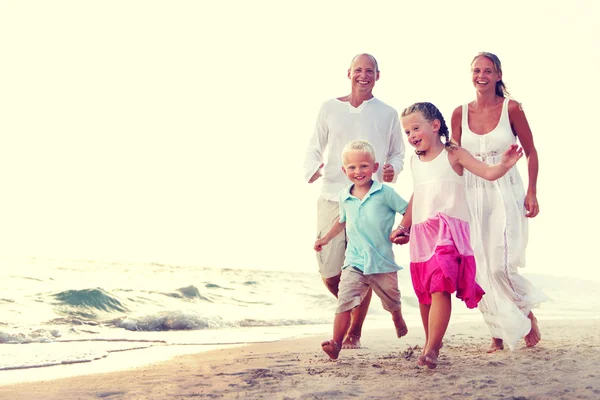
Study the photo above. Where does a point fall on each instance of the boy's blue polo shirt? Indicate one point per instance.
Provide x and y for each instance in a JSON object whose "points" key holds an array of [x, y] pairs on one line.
{"points": [[369, 223]]}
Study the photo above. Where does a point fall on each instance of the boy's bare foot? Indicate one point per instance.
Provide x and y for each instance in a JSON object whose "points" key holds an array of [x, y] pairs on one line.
{"points": [[331, 348], [534, 335], [497, 344], [400, 324], [351, 341]]}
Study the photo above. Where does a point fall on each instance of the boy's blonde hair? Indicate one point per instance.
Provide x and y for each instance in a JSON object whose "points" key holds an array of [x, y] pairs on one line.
{"points": [[358, 145]]}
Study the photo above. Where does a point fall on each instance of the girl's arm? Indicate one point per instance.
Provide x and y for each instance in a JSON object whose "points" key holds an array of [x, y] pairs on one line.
{"points": [[489, 172], [401, 234], [520, 127], [333, 232]]}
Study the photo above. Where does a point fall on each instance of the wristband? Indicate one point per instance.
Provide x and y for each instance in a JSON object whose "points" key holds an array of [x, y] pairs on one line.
{"points": [[405, 231]]}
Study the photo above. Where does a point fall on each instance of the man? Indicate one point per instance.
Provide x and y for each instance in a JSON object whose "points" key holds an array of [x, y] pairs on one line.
{"points": [[358, 115]]}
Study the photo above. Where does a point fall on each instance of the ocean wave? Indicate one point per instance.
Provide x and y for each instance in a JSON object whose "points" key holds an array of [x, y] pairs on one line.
{"points": [[281, 322], [178, 320], [215, 286], [36, 336], [96, 299], [169, 321], [189, 292]]}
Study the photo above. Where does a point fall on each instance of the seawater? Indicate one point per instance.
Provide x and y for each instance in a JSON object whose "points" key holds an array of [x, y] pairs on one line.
{"points": [[60, 312]]}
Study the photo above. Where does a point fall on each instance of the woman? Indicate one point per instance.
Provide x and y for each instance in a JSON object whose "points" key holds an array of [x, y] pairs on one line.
{"points": [[486, 127]]}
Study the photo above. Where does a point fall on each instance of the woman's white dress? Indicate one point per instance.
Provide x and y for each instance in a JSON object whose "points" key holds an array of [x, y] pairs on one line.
{"points": [[499, 235]]}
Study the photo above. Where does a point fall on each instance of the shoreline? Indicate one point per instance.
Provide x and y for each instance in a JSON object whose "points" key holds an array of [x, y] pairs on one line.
{"points": [[118, 353], [118, 361], [565, 364]]}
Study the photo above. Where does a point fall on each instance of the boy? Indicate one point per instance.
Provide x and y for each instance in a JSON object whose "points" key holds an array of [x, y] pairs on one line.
{"points": [[367, 212]]}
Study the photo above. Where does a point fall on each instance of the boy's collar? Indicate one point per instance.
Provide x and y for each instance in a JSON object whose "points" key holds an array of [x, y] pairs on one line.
{"points": [[375, 186]]}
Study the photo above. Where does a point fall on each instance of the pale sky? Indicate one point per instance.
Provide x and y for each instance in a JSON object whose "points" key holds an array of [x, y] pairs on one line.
{"points": [[175, 131]]}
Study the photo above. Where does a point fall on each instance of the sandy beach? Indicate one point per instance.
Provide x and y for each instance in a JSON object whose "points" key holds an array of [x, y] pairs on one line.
{"points": [[565, 365]]}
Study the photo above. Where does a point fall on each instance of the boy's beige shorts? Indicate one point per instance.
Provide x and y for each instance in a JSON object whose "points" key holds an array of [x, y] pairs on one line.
{"points": [[354, 286]]}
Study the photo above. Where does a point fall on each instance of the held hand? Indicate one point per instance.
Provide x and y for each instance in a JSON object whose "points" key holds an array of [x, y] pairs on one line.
{"points": [[531, 205], [316, 175], [512, 155], [388, 173], [399, 236], [403, 239], [319, 244]]}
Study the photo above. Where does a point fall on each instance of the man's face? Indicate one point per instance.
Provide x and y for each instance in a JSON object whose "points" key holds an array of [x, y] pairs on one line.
{"points": [[363, 74]]}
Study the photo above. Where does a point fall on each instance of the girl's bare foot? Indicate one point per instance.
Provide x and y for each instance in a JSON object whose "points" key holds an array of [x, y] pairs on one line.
{"points": [[497, 344], [534, 335], [421, 360], [351, 341], [331, 348], [428, 358]]}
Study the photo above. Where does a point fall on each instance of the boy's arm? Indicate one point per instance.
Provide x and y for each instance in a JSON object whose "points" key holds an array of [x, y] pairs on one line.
{"points": [[335, 230]]}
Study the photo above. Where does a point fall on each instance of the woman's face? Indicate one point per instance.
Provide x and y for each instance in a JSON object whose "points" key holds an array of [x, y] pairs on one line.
{"points": [[484, 75]]}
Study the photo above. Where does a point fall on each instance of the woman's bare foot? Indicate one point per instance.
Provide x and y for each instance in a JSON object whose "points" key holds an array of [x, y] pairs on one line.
{"points": [[351, 341], [400, 324], [331, 348], [497, 344], [534, 335]]}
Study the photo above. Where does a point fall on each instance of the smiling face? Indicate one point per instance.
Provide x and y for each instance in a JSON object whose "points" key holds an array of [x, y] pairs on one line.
{"points": [[484, 74], [421, 133], [359, 167], [363, 73]]}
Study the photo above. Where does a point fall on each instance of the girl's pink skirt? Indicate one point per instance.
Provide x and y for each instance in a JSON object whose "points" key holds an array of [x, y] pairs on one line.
{"points": [[449, 269]]}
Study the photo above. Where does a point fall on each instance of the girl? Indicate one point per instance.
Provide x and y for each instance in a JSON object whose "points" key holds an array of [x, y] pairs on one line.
{"points": [[442, 260]]}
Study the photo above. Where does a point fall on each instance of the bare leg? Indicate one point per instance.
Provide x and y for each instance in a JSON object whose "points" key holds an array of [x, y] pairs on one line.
{"points": [[333, 284], [497, 344], [424, 309], [534, 335], [341, 323], [358, 315], [439, 317], [352, 337], [399, 323]]}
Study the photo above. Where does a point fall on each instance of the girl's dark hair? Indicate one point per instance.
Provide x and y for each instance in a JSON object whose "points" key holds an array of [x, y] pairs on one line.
{"points": [[500, 86], [430, 113]]}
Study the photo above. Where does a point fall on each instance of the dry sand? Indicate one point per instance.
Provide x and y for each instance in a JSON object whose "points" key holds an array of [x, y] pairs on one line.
{"points": [[564, 365]]}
